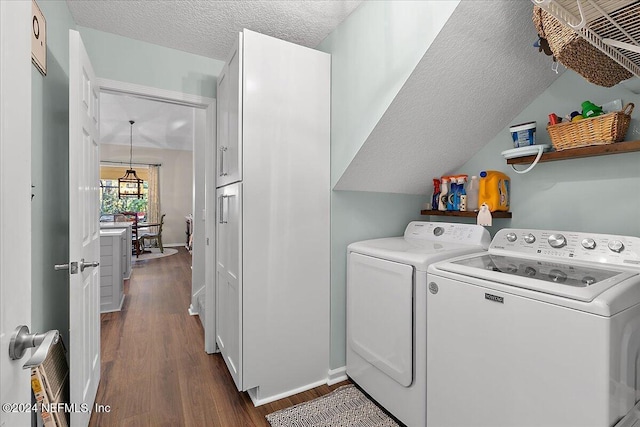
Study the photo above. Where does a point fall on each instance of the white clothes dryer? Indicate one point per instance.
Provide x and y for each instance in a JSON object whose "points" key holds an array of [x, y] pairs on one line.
{"points": [[542, 330], [386, 311]]}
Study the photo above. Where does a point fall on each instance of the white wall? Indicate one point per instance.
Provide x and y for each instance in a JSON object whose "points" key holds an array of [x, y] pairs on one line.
{"points": [[176, 184]]}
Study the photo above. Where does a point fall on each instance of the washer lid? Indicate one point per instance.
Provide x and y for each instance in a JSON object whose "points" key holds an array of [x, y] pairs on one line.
{"points": [[577, 282], [418, 253], [427, 242]]}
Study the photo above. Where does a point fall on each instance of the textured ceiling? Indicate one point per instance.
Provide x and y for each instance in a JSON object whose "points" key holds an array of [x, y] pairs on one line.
{"points": [[209, 28], [479, 73], [157, 124]]}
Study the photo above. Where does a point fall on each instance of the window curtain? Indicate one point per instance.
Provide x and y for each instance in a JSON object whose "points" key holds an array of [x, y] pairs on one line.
{"points": [[153, 195]]}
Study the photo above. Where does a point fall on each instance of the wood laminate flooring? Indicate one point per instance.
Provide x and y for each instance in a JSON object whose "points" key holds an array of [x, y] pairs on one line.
{"points": [[154, 368]]}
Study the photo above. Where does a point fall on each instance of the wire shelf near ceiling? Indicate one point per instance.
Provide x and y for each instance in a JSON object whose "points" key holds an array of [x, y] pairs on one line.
{"points": [[612, 26]]}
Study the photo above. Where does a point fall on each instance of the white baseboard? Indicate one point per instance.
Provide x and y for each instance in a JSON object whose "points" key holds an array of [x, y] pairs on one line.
{"points": [[115, 309], [173, 245], [192, 310], [257, 402], [337, 375]]}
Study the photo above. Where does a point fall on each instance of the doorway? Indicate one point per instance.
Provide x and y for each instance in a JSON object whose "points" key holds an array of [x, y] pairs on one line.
{"points": [[178, 114]]}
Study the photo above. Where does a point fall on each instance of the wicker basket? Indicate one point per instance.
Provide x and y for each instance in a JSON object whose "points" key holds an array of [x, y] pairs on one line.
{"points": [[576, 53], [604, 129]]}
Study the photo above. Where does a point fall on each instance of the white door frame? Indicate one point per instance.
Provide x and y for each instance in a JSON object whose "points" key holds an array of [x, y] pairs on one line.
{"points": [[15, 199], [209, 105]]}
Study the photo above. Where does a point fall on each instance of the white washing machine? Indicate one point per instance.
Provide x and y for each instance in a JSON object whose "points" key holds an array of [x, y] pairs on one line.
{"points": [[543, 330], [386, 318]]}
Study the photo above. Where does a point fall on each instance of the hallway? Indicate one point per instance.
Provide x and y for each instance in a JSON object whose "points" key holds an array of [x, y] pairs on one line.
{"points": [[154, 369]]}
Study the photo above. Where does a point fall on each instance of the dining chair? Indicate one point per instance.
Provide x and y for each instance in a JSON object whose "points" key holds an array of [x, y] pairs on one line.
{"points": [[135, 238], [157, 236]]}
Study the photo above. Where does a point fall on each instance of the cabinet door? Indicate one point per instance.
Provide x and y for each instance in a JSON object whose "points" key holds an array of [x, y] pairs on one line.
{"points": [[222, 113], [229, 279], [229, 166]]}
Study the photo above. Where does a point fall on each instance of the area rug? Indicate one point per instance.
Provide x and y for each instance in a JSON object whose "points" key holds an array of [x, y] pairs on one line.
{"points": [[344, 407], [154, 253]]}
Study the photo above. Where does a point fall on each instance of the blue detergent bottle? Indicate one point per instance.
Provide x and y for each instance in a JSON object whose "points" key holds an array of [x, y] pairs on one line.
{"points": [[453, 193]]}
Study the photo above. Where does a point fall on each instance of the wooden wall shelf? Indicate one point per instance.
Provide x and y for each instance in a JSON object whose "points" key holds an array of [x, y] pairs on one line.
{"points": [[576, 153], [464, 214]]}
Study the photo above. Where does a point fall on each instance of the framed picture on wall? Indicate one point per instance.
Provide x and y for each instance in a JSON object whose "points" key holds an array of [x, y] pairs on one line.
{"points": [[38, 39]]}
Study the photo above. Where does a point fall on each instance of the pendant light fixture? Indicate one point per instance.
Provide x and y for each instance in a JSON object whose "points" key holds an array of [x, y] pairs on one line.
{"points": [[130, 186]]}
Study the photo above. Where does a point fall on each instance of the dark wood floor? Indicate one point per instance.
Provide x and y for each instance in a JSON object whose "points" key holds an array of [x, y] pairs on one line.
{"points": [[154, 369]]}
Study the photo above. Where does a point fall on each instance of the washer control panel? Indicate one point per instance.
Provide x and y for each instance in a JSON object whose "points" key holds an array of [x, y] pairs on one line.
{"points": [[600, 248], [448, 232]]}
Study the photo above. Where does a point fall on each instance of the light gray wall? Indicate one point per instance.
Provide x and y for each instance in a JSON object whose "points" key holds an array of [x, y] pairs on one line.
{"points": [[597, 194], [120, 58], [373, 52], [50, 176]]}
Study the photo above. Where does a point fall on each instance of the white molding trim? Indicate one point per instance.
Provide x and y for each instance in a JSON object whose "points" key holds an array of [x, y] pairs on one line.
{"points": [[198, 292], [173, 245], [334, 376], [210, 345], [258, 402], [115, 309], [192, 310], [115, 86]]}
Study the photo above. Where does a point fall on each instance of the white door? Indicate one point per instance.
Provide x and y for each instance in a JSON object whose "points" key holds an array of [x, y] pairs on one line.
{"points": [[229, 279], [84, 232], [15, 203], [230, 116]]}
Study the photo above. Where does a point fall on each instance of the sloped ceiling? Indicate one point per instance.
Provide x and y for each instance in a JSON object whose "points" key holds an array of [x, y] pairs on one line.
{"points": [[478, 74], [209, 28]]}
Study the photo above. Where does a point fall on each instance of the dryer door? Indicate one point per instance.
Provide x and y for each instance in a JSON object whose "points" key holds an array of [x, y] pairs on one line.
{"points": [[380, 314]]}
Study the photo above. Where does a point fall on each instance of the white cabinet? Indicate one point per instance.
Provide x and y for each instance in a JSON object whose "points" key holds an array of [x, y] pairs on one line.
{"points": [[228, 279], [273, 249], [126, 255], [229, 165], [113, 244]]}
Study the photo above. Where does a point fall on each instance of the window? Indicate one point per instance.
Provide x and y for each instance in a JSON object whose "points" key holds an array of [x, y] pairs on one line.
{"points": [[109, 201]]}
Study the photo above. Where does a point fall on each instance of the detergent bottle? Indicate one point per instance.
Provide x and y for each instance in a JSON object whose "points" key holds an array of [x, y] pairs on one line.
{"points": [[435, 199], [494, 190], [444, 197], [462, 194], [472, 194], [453, 189]]}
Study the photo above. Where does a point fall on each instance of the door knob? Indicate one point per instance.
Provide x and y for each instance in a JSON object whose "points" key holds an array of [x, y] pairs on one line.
{"points": [[84, 265], [72, 267], [21, 340]]}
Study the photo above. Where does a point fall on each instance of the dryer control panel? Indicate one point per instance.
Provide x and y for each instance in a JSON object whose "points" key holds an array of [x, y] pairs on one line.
{"points": [[570, 245], [468, 234]]}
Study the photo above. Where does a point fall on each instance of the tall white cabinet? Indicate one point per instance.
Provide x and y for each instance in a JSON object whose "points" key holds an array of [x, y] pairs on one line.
{"points": [[273, 249]]}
